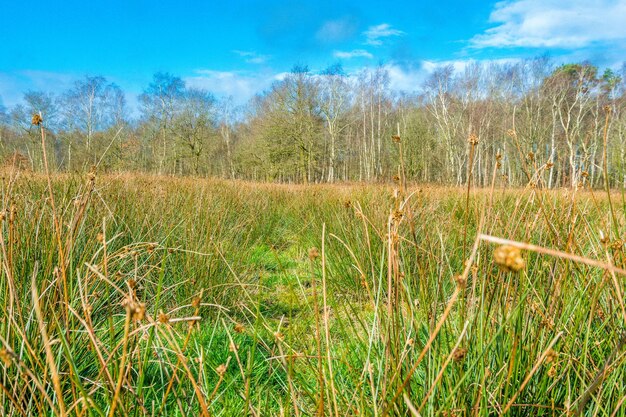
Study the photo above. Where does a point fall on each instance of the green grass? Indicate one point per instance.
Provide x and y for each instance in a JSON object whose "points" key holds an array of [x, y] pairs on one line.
{"points": [[532, 343]]}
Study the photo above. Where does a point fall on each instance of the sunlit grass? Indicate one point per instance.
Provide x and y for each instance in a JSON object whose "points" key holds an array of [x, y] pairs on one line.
{"points": [[203, 297]]}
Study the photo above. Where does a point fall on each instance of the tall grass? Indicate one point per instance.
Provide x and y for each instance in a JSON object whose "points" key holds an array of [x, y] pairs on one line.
{"points": [[143, 295]]}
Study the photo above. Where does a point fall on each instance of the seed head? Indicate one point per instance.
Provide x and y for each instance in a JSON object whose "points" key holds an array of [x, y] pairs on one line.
{"points": [[459, 354], [551, 356], [509, 258], [163, 318], [600, 314], [5, 357], [461, 282], [473, 139], [37, 119], [552, 371], [395, 138], [151, 247], [617, 244], [313, 254], [136, 309], [221, 370], [239, 328]]}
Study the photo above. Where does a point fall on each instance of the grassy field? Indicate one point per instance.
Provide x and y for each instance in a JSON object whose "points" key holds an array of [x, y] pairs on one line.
{"points": [[142, 295]]}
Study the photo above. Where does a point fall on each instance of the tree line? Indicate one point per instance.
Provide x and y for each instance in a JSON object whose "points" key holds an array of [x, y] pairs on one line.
{"points": [[539, 122]]}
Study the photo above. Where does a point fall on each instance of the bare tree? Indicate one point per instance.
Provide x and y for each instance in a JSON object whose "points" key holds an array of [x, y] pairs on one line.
{"points": [[160, 102], [335, 101]]}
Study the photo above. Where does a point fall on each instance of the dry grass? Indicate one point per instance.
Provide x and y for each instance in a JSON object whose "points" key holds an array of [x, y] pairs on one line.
{"points": [[145, 295]]}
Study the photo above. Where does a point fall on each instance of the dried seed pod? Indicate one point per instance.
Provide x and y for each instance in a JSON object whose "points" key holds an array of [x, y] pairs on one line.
{"points": [[461, 282], [136, 309], [459, 354], [37, 119], [221, 370], [552, 371], [163, 318], [551, 356], [509, 258], [6, 357]]}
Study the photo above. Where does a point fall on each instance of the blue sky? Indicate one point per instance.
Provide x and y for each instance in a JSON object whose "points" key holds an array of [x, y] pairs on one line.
{"points": [[239, 47]]}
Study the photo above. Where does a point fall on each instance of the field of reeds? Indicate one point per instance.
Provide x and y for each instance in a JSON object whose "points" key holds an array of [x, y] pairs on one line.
{"points": [[144, 295]]}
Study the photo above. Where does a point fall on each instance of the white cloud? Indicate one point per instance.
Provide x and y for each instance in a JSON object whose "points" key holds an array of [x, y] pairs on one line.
{"points": [[554, 23], [460, 65], [405, 79], [243, 85], [14, 85], [411, 78], [374, 35], [336, 30], [240, 85], [356, 53], [252, 57]]}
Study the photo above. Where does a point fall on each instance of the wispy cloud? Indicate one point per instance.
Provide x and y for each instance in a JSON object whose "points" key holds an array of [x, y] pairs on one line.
{"points": [[336, 30], [239, 84], [252, 57], [355, 53], [14, 85], [410, 78], [554, 24], [375, 35], [460, 65]]}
